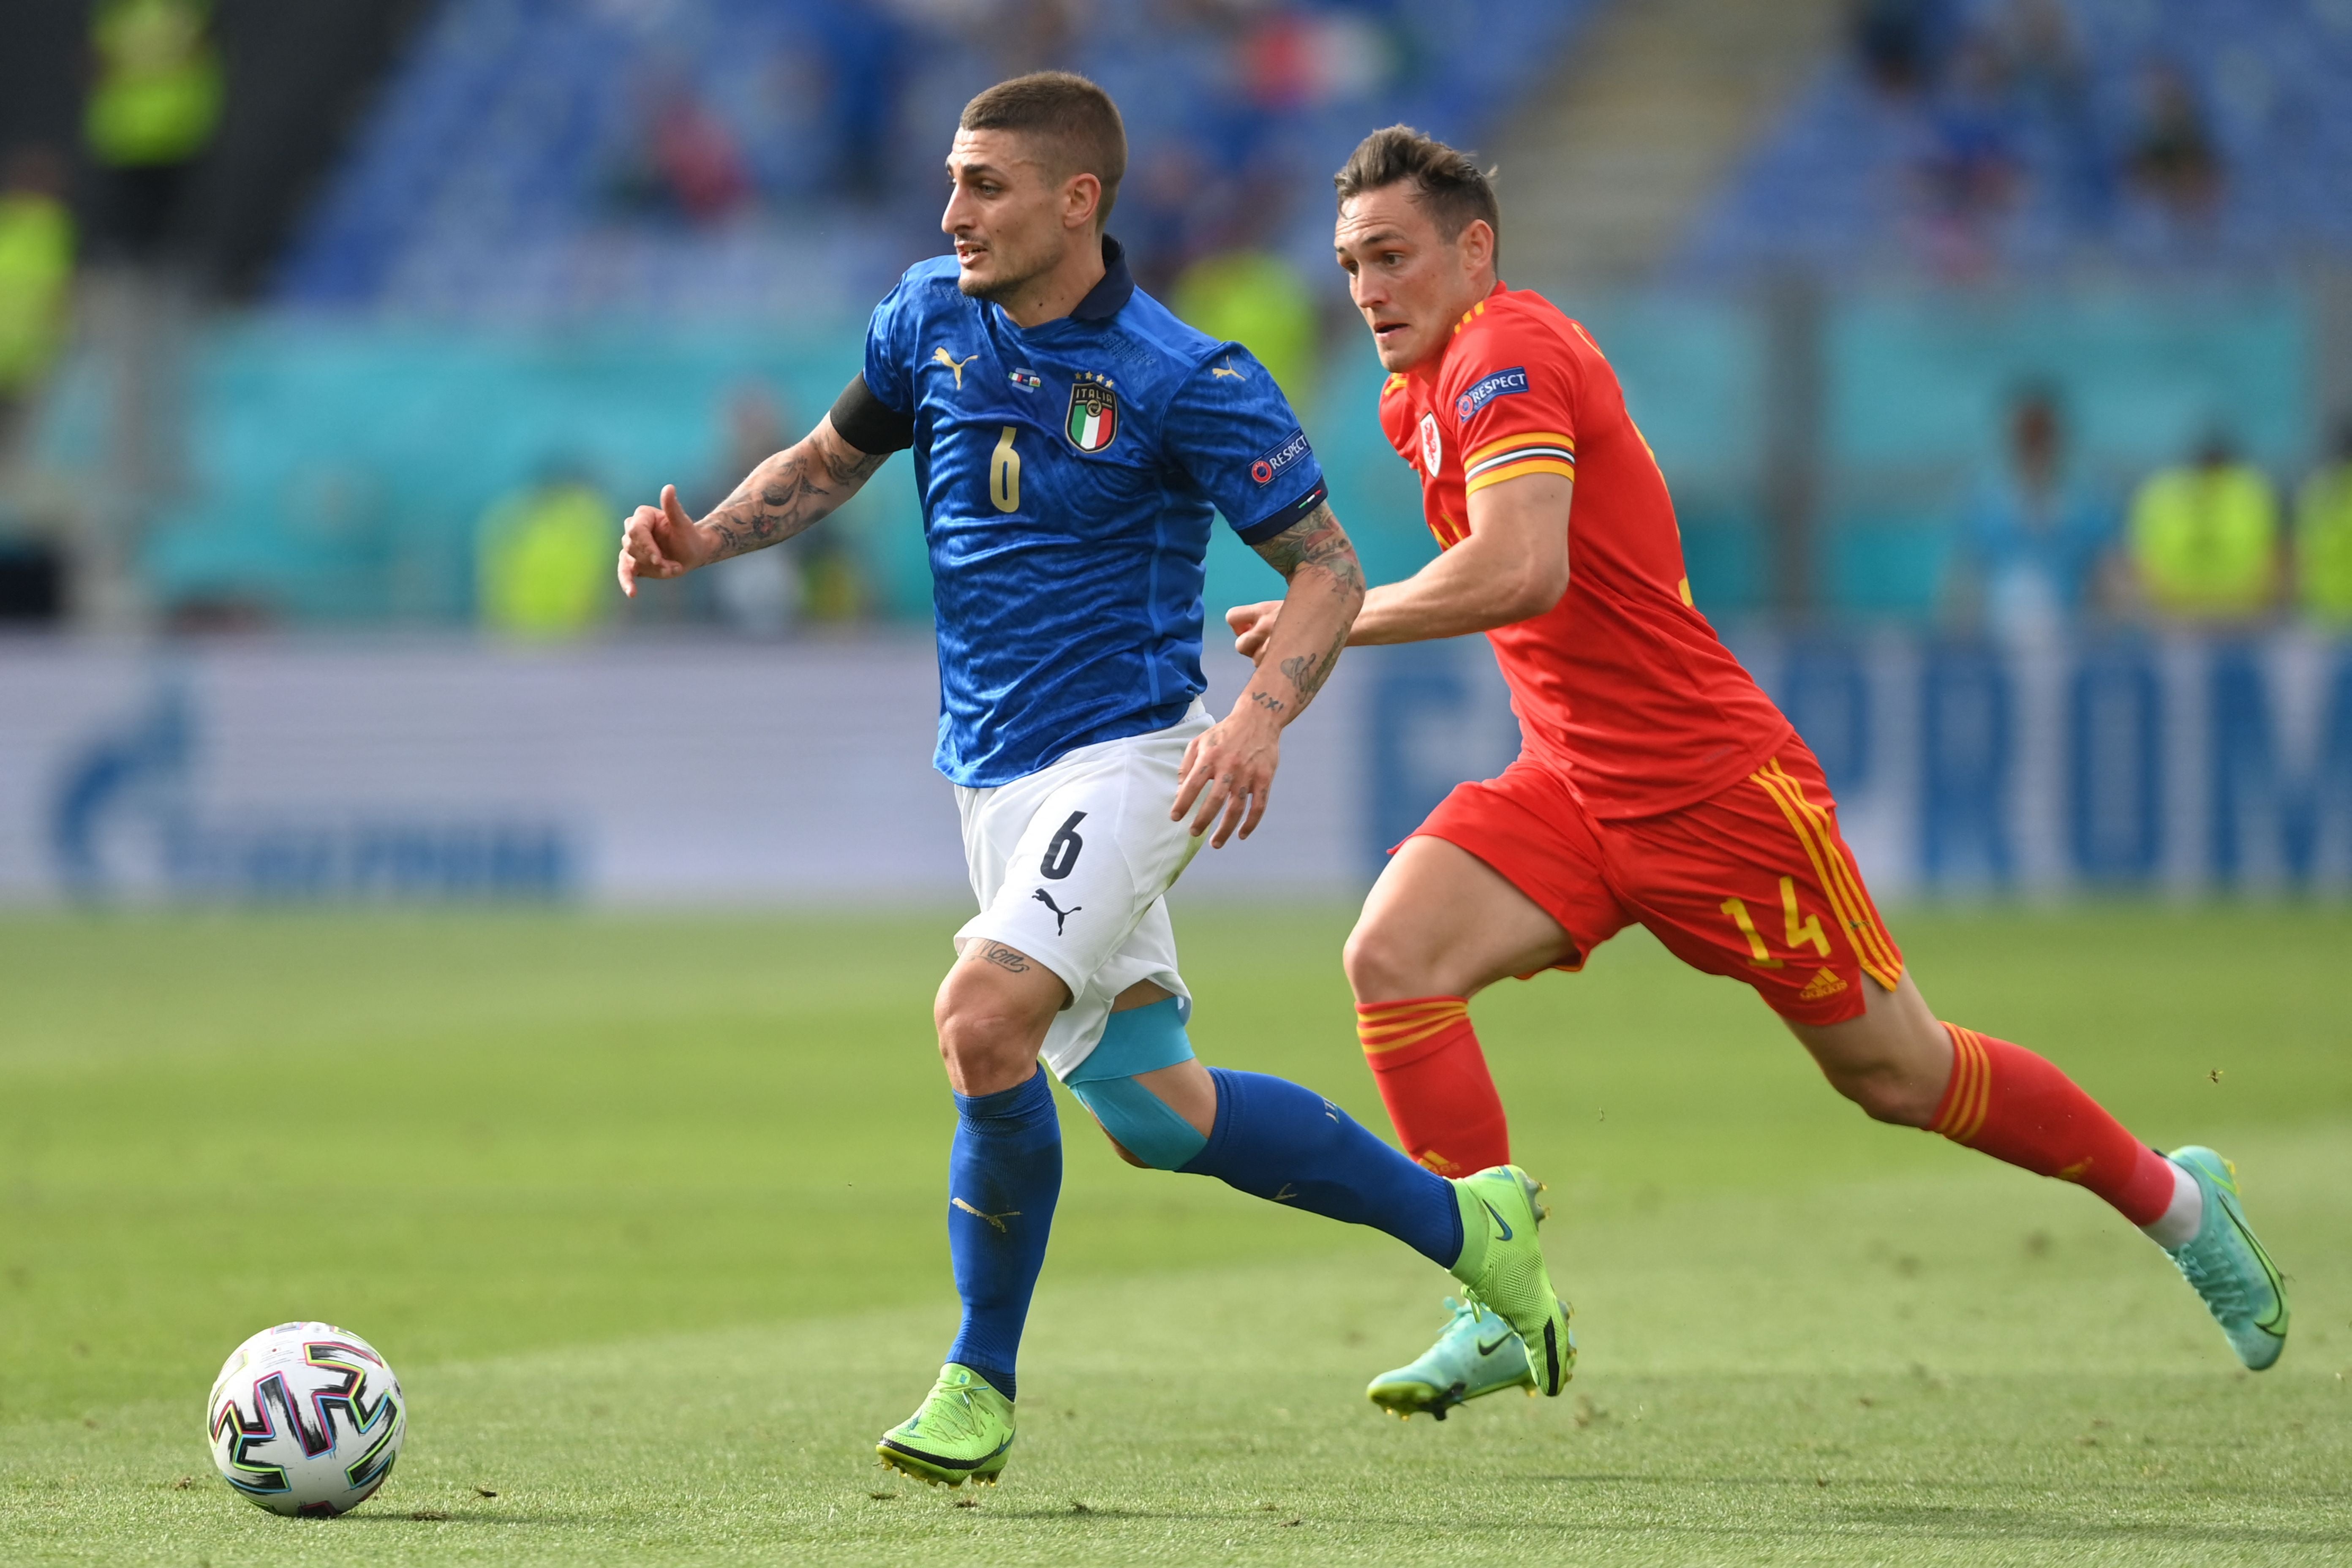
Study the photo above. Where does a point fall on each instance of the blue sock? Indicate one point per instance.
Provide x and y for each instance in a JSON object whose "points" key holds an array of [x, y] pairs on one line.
{"points": [[1275, 1140], [1004, 1175]]}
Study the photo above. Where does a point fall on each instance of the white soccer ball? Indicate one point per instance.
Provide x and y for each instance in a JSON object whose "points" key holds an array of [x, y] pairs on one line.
{"points": [[306, 1418]]}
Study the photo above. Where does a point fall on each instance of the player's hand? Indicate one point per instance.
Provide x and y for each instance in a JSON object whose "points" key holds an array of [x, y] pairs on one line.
{"points": [[1229, 772], [660, 542], [1253, 624]]}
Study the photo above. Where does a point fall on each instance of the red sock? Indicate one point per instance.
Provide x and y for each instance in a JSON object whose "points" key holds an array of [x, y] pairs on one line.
{"points": [[2005, 1101], [1424, 1056]]}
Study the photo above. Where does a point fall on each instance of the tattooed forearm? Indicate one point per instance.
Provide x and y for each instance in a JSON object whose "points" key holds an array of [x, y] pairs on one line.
{"points": [[1327, 588], [1316, 539], [790, 493], [1307, 672]]}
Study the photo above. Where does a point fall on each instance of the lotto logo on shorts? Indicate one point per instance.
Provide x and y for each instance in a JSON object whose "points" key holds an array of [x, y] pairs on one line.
{"points": [[1281, 458], [1502, 383]]}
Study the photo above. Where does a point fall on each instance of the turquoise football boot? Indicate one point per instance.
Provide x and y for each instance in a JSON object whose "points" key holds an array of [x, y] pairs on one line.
{"points": [[1478, 1354], [962, 1433], [2227, 1265]]}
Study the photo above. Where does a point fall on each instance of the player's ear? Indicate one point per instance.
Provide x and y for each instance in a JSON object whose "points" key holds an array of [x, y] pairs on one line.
{"points": [[1081, 199], [1477, 246]]}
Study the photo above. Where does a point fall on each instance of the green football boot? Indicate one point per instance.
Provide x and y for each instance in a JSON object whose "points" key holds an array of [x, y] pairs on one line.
{"points": [[962, 1433], [1502, 1268], [1478, 1354], [2227, 1266]]}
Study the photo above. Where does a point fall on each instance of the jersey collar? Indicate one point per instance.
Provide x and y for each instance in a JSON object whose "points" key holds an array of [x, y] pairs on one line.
{"points": [[1109, 297]]}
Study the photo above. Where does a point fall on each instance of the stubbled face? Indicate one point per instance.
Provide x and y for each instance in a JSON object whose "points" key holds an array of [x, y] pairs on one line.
{"points": [[1005, 214], [1410, 283]]}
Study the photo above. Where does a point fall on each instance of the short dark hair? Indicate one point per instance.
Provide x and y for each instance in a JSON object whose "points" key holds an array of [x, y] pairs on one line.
{"points": [[1069, 111], [1447, 182]]}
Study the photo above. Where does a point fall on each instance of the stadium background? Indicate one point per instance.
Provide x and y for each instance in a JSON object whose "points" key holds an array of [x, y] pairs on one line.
{"points": [[334, 341]]}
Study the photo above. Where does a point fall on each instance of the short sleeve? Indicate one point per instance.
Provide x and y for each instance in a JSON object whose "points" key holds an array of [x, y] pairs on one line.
{"points": [[889, 365], [1231, 429], [1514, 409]]}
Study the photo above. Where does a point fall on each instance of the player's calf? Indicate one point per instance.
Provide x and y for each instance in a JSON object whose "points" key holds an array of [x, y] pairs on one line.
{"points": [[1893, 1061]]}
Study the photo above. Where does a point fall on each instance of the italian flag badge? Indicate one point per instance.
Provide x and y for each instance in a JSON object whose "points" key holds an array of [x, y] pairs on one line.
{"points": [[1093, 416]]}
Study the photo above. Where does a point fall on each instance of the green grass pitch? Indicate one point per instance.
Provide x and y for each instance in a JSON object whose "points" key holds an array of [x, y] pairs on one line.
{"points": [[647, 1213]]}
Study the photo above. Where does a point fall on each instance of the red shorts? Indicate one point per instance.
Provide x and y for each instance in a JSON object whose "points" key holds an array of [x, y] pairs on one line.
{"points": [[1753, 882]]}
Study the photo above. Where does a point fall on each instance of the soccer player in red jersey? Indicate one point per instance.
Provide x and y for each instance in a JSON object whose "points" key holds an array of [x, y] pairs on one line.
{"points": [[1655, 782]]}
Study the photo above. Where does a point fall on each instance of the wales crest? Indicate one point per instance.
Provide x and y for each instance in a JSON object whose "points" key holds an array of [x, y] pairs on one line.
{"points": [[1093, 412]]}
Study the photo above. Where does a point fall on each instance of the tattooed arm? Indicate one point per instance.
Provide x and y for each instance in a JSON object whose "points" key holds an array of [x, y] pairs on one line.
{"points": [[1326, 589], [783, 496], [1230, 769]]}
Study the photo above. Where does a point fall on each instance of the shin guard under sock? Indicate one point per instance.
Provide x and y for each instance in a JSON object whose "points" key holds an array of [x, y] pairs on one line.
{"points": [[2005, 1101], [1004, 1174], [1275, 1140], [1432, 1078]]}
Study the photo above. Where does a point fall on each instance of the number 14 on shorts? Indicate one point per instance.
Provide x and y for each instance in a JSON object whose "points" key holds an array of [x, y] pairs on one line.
{"points": [[1803, 929]]}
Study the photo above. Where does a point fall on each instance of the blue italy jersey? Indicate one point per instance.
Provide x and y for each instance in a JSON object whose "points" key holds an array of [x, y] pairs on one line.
{"points": [[1069, 475]]}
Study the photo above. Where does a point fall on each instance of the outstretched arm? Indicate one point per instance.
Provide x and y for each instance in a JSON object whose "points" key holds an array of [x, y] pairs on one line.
{"points": [[1514, 566], [788, 494], [1230, 769]]}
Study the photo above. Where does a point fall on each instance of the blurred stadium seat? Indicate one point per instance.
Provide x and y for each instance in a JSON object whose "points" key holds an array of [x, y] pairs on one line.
{"points": [[505, 176], [1848, 183]]}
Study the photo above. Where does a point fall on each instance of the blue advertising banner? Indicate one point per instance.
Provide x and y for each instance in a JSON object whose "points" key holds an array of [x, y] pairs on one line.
{"points": [[2113, 765]]}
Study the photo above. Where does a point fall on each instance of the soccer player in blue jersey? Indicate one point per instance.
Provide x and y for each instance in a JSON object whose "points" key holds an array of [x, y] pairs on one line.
{"points": [[1072, 440]]}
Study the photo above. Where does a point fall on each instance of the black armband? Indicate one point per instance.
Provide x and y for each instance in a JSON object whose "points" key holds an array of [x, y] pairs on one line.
{"points": [[869, 424], [1288, 518]]}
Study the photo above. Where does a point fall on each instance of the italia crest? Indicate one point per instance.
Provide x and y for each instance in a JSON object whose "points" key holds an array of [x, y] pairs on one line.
{"points": [[1093, 412]]}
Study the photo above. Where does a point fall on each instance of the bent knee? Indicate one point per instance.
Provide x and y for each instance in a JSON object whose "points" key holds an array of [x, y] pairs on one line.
{"points": [[1889, 1097], [1383, 967]]}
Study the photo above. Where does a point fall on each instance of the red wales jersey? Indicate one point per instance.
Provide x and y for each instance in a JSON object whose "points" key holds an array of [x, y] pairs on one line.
{"points": [[1623, 685]]}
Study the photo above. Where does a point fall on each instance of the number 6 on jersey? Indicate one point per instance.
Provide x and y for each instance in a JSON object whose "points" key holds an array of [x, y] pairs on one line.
{"points": [[1005, 473]]}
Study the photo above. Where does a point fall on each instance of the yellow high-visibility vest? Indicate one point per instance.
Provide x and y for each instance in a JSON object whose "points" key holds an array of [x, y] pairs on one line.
{"points": [[2206, 540], [1259, 301], [545, 562], [37, 249], [2323, 543], [157, 98]]}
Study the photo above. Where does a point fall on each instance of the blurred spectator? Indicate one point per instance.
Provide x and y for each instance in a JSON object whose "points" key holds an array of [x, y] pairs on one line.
{"points": [[685, 162], [1968, 173], [2034, 539], [2049, 76], [865, 58], [36, 255], [1900, 43], [700, 162], [1038, 34], [2323, 536], [1160, 202], [2205, 537], [761, 593], [2173, 157], [1259, 300], [156, 101], [544, 558], [1292, 59]]}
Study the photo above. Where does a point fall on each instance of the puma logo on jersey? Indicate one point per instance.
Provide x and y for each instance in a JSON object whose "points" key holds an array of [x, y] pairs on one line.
{"points": [[953, 363], [1060, 914], [995, 1219], [1225, 369]]}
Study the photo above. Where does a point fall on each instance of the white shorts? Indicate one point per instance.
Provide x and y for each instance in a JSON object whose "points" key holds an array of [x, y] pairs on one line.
{"points": [[1070, 864]]}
